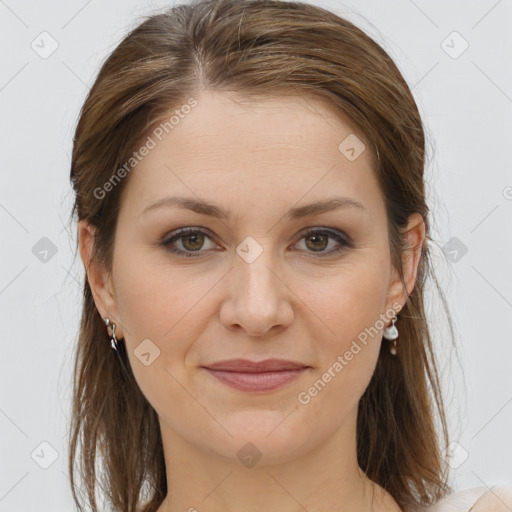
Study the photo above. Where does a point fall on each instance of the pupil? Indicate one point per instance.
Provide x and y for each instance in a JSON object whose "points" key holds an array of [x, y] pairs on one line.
{"points": [[194, 239], [318, 237]]}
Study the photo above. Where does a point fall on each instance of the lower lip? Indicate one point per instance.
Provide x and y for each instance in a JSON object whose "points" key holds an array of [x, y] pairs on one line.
{"points": [[261, 381]]}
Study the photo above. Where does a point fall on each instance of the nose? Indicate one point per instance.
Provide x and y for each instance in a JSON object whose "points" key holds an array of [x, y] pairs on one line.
{"points": [[258, 300]]}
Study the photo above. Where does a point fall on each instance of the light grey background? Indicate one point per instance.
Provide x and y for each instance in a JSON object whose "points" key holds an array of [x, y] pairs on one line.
{"points": [[466, 101]]}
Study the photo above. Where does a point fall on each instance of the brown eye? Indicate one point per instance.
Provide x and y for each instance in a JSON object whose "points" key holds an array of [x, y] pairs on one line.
{"points": [[317, 241], [195, 241], [192, 241]]}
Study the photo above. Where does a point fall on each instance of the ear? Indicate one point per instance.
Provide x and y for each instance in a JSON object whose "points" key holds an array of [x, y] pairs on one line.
{"points": [[414, 234], [99, 279]]}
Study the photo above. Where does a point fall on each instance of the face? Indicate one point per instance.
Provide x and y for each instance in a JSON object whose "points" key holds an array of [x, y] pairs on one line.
{"points": [[270, 279]]}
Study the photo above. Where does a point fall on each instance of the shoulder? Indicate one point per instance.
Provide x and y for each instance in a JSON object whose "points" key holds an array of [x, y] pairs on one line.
{"points": [[497, 498]]}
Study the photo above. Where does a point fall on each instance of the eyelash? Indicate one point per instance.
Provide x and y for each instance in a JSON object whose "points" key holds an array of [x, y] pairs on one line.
{"points": [[344, 241]]}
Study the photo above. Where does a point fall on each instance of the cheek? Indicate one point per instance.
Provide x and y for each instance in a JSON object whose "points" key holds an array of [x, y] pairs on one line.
{"points": [[158, 300], [351, 309], [163, 305], [168, 306], [351, 301]]}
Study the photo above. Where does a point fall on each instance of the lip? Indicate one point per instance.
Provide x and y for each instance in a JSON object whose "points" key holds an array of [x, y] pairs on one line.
{"points": [[247, 366], [266, 375]]}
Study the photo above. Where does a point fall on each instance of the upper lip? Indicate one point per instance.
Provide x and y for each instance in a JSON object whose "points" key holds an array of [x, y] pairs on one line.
{"points": [[245, 365]]}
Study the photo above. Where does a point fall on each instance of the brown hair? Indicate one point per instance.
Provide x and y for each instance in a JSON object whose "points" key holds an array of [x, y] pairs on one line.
{"points": [[253, 48]]}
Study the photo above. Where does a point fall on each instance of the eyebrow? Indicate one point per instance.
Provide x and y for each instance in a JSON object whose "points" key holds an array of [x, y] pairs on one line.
{"points": [[204, 208]]}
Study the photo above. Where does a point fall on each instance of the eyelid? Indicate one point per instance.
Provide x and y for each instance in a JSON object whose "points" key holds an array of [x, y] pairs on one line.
{"points": [[334, 232]]}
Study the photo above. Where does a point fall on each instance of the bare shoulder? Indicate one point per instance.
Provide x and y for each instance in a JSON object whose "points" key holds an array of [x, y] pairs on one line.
{"points": [[497, 499]]}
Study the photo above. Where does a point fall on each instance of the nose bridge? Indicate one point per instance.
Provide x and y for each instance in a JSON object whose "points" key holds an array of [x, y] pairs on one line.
{"points": [[257, 293], [256, 268]]}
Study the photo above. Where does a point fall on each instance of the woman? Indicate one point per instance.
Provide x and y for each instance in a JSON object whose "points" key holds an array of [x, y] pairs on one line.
{"points": [[252, 219]]}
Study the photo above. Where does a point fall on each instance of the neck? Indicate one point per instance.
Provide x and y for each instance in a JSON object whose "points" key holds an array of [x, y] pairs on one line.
{"points": [[327, 477]]}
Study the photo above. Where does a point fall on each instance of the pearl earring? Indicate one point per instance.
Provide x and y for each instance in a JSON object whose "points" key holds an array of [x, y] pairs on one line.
{"points": [[391, 334]]}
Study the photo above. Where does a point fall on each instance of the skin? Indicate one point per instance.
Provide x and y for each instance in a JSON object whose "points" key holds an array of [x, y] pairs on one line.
{"points": [[257, 160], [498, 499]]}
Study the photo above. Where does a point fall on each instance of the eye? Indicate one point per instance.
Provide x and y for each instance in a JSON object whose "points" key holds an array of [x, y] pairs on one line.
{"points": [[192, 239], [316, 240]]}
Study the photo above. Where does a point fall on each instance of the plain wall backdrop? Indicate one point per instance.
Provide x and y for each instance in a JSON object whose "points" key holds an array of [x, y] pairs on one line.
{"points": [[456, 58]]}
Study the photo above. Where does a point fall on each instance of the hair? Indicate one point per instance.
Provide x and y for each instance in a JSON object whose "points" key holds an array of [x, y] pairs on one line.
{"points": [[253, 48]]}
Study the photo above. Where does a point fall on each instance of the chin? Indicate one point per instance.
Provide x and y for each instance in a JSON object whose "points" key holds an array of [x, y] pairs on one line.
{"points": [[263, 438]]}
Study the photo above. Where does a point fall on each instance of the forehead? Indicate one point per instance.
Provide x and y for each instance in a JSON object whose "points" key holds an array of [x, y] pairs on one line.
{"points": [[274, 149]]}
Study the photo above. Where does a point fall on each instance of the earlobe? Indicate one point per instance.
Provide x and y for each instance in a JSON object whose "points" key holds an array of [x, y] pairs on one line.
{"points": [[97, 276]]}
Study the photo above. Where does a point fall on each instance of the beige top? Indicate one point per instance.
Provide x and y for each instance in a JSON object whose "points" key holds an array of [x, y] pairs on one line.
{"points": [[497, 498]]}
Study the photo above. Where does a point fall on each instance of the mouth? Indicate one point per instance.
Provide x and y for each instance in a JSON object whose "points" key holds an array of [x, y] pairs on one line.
{"points": [[254, 376]]}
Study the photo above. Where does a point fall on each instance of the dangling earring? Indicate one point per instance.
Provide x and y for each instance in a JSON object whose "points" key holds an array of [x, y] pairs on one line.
{"points": [[113, 341], [391, 334]]}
